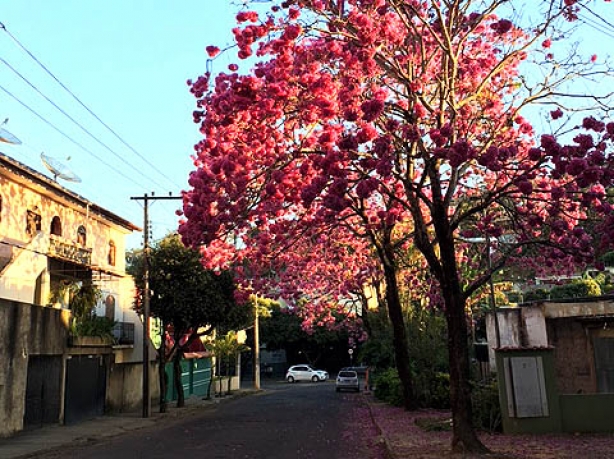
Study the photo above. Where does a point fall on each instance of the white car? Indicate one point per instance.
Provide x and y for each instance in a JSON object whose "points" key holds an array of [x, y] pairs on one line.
{"points": [[347, 380], [305, 373]]}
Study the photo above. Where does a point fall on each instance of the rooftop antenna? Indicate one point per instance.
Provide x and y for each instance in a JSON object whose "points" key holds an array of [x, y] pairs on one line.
{"points": [[59, 169], [6, 136]]}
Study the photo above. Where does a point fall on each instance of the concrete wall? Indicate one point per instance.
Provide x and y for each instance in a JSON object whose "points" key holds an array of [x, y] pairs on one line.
{"points": [[125, 387], [587, 413], [24, 330], [573, 356]]}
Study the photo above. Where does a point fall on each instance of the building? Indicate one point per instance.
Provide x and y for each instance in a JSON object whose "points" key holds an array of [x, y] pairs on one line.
{"points": [[555, 365], [51, 237]]}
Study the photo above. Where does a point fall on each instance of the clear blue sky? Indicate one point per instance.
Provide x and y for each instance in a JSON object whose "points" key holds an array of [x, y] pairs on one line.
{"points": [[128, 61]]}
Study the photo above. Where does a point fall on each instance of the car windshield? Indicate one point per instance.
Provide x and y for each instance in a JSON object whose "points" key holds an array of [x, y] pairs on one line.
{"points": [[347, 374]]}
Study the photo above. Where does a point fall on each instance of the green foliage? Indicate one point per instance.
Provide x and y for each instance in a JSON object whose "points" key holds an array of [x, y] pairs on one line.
{"points": [[184, 294], [486, 407], [83, 300], [378, 350], [580, 288], [608, 258], [95, 326], [428, 352], [85, 322], [536, 295], [282, 330], [432, 389], [388, 387]]}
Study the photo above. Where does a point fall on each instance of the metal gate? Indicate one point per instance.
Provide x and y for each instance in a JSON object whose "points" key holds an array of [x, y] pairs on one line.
{"points": [[85, 387], [42, 391]]}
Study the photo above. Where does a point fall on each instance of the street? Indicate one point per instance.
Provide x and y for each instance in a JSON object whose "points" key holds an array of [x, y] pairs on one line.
{"points": [[301, 420]]}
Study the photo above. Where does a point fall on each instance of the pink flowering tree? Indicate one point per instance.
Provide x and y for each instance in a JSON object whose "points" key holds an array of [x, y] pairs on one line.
{"points": [[366, 127]]}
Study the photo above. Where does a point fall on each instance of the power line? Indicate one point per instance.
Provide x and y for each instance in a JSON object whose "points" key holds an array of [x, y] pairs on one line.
{"points": [[73, 120], [3, 27], [601, 18], [131, 179]]}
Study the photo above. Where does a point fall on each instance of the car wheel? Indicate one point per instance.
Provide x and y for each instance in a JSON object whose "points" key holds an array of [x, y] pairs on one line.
{"points": [[290, 379], [315, 379]]}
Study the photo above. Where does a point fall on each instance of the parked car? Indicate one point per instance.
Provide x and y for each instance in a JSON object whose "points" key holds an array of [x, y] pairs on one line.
{"points": [[305, 373], [347, 380]]}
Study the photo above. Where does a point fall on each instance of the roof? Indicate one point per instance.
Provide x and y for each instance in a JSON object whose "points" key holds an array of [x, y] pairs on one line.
{"points": [[52, 189]]}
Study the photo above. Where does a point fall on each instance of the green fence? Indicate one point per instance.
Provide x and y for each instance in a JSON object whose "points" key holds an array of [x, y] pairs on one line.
{"points": [[195, 377]]}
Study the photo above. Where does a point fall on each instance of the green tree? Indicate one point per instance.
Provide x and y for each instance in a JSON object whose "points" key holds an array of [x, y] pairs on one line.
{"points": [[224, 348], [189, 300], [283, 330]]}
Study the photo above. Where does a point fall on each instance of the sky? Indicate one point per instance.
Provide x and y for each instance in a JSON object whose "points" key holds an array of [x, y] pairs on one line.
{"points": [[128, 62]]}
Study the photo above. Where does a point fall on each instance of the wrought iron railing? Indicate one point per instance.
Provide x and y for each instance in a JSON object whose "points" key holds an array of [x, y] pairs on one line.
{"points": [[124, 332]]}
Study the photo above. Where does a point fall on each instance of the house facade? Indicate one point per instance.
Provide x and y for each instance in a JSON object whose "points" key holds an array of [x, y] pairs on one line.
{"points": [[50, 238]]}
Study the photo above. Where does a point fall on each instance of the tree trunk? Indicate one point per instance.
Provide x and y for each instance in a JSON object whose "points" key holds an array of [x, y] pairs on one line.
{"points": [[400, 342], [208, 397], [464, 438], [177, 378], [228, 392], [162, 376]]}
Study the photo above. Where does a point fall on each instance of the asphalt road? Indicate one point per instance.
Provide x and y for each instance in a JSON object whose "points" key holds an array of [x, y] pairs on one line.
{"points": [[298, 421]]}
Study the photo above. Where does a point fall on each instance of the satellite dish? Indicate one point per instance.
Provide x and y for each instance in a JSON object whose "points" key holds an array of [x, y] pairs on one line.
{"points": [[6, 136], [59, 170]]}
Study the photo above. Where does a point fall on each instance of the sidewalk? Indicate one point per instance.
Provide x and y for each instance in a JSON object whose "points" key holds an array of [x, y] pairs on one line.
{"points": [[403, 438], [28, 443]]}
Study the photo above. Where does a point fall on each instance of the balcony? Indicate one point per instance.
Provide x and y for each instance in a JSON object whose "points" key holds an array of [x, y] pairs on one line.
{"points": [[69, 251], [124, 333]]}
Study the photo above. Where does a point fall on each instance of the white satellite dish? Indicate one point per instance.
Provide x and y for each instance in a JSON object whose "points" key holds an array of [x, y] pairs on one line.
{"points": [[6, 136], [59, 169]]}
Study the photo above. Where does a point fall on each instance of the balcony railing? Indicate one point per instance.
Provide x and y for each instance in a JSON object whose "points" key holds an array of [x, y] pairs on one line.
{"points": [[67, 250], [124, 332]]}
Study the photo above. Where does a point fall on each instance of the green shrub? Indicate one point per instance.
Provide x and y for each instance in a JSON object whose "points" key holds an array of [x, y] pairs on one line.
{"points": [[486, 407], [608, 258], [536, 295], [101, 327], [432, 389], [577, 289], [388, 387]]}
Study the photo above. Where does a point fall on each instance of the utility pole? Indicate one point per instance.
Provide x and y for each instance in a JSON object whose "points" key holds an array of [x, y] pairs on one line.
{"points": [[146, 297], [256, 346]]}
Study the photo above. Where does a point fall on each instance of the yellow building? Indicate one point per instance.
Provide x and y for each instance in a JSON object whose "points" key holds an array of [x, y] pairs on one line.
{"points": [[51, 237]]}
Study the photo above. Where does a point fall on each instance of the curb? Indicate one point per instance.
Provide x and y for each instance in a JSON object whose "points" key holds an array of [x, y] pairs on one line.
{"points": [[388, 450]]}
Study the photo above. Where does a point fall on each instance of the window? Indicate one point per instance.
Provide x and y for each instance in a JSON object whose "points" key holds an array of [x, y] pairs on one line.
{"points": [[81, 236], [33, 222], [112, 253], [56, 226]]}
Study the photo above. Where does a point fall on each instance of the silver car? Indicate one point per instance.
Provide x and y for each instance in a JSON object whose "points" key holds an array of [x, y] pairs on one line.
{"points": [[305, 373], [347, 380]]}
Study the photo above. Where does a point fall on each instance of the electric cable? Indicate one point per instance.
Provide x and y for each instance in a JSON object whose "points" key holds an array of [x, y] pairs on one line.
{"points": [[84, 148], [143, 158], [75, 121]]}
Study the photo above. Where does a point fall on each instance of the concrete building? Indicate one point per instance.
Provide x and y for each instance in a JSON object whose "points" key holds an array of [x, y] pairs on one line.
{"points": [[555, 365], [51, 237]]}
